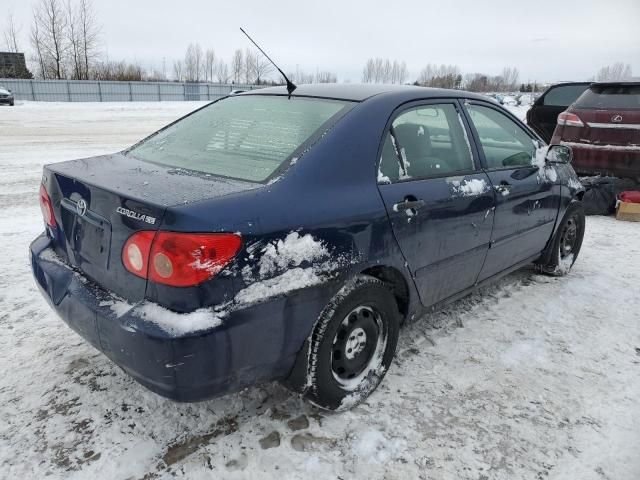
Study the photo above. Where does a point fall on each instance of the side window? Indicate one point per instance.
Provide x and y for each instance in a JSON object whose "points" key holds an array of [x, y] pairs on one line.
{"points": [[504, 143], [563, 96], [425, 141]]}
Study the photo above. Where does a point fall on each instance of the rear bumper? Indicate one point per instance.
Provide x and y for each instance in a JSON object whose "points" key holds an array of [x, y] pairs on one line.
{"points": [[253, 345], [613, 160]]}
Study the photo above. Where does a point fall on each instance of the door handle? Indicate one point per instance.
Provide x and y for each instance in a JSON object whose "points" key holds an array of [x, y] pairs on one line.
{"points": [[503, 188], [409, 203]]}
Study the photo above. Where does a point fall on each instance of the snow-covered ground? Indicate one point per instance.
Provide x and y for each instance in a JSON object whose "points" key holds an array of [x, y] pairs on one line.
{"points": [[533, 378]]}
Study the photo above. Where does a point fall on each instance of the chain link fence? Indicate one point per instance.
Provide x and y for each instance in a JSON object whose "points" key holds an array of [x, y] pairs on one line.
{"points": [[108, 91]]}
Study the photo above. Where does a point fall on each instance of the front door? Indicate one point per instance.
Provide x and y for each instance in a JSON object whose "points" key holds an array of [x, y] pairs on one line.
{"points": [[527, 191], [439, 201]]}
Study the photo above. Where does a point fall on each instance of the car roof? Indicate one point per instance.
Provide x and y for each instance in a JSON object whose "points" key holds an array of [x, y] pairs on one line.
{"points": [[361, 92]]}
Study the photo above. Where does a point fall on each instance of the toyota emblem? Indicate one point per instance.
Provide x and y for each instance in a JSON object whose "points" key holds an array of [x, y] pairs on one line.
{"points": [[81, 207], [616, 118]]}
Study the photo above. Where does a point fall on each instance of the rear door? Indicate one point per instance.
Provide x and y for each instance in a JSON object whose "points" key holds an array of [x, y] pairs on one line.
{"points": [[527, 197], [543, 116], [438, 200]]}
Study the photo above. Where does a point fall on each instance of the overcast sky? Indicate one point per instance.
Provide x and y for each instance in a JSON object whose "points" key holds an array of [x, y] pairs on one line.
{"points": [[547, 40]]}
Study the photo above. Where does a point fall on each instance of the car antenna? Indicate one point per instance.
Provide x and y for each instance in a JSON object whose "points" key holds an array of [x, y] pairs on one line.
{"points": [[290, 85]]}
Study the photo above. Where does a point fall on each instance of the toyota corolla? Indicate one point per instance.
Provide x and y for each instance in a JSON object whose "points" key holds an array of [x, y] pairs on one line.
{"points": [[276, 236]]}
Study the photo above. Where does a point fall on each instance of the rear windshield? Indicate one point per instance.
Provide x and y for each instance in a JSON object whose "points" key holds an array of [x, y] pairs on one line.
{"points": [[564, 95], [246, 137], [617, 97]]}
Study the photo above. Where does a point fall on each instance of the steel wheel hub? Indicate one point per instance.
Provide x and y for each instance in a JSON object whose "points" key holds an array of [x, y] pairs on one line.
{"points": [[568, 238], [355, 344]]}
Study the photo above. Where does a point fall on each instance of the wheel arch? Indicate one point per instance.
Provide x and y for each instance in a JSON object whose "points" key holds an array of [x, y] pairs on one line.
{"points": [[396, 281], [391, 277]]}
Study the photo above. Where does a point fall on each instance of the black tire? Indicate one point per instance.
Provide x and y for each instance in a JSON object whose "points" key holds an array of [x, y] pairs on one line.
{"points": [[567, 241], [352, 345]]}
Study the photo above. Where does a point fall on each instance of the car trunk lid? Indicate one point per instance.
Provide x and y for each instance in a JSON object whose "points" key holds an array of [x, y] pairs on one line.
{"points": [[610, 113], [100, 202]]}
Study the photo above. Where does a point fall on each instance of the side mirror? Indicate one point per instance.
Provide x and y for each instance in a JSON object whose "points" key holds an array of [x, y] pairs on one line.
{"points": [[559, 154]]}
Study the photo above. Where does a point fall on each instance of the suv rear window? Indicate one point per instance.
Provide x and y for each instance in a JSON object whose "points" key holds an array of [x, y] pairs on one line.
{"points": [[563, 95], [617, 97], [246, 137]]}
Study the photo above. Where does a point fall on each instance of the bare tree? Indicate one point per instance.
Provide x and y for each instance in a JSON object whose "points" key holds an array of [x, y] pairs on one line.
{"points": [[476, 82], [193, 63], [367, 72], [11, 34], [510, 76], [249, 65], [616, 72], [74, 41], [440, 76], [89, 33], [51, 23], [237, 64], [119, 71], [36, 42], [261, 67], [210, 65], [326, 77], [177, 70], [383, 70], [222, 72], [299, 77], [199, 58]]}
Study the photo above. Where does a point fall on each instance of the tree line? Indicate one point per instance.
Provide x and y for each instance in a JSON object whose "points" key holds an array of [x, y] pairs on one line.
{"points": [[378, 70], [66, 43]]}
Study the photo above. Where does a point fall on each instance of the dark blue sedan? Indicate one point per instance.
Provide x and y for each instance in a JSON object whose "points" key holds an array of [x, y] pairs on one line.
{"points": [[270, 236]]}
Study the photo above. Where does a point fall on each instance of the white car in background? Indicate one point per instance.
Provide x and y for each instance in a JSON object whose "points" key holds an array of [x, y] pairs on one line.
{"points": [[508, 100], [525, 99]]}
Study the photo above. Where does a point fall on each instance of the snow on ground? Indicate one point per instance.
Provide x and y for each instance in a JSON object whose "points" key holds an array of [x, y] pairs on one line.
{"points": [[535, 377]]}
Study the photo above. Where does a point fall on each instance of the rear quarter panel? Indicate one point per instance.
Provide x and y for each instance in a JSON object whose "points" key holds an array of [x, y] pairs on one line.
{"points": [[331, 194]]}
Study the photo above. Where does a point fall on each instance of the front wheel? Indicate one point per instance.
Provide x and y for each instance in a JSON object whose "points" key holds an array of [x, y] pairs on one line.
{"points": [[353, 344], [566, 243]]}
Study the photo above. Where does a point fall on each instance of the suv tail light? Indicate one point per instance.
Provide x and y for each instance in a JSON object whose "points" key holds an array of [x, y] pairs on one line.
{"points": [[570, 120], [179, 259], [47, 207]]}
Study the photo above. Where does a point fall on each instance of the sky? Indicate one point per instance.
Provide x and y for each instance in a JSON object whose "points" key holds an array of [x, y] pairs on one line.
{"points": [[547, 40]]}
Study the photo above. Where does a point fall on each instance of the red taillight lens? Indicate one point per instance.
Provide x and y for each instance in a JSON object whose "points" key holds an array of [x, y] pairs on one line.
{"points": [[179, 259], [47, 207], [570, 120]]}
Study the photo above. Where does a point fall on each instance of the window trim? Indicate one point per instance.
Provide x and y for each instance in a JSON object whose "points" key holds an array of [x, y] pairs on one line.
{"points": [[476, 137], [400, 109], [560, 85]]}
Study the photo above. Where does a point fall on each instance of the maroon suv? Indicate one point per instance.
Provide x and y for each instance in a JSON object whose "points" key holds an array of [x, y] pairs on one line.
{"points": [[603, 128]]}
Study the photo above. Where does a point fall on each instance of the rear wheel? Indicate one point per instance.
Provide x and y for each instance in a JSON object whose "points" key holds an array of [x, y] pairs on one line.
{"points": [[567, 242], [353, 344]]}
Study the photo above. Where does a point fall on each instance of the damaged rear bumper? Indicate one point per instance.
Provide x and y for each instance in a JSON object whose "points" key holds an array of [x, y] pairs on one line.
{"points": [[618, 161], [255, 344]]}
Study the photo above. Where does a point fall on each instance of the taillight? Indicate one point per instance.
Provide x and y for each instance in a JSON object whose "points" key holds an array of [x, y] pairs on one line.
{"points": [[135, 254], [570, 120], [179, 259], [47, 207]]}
